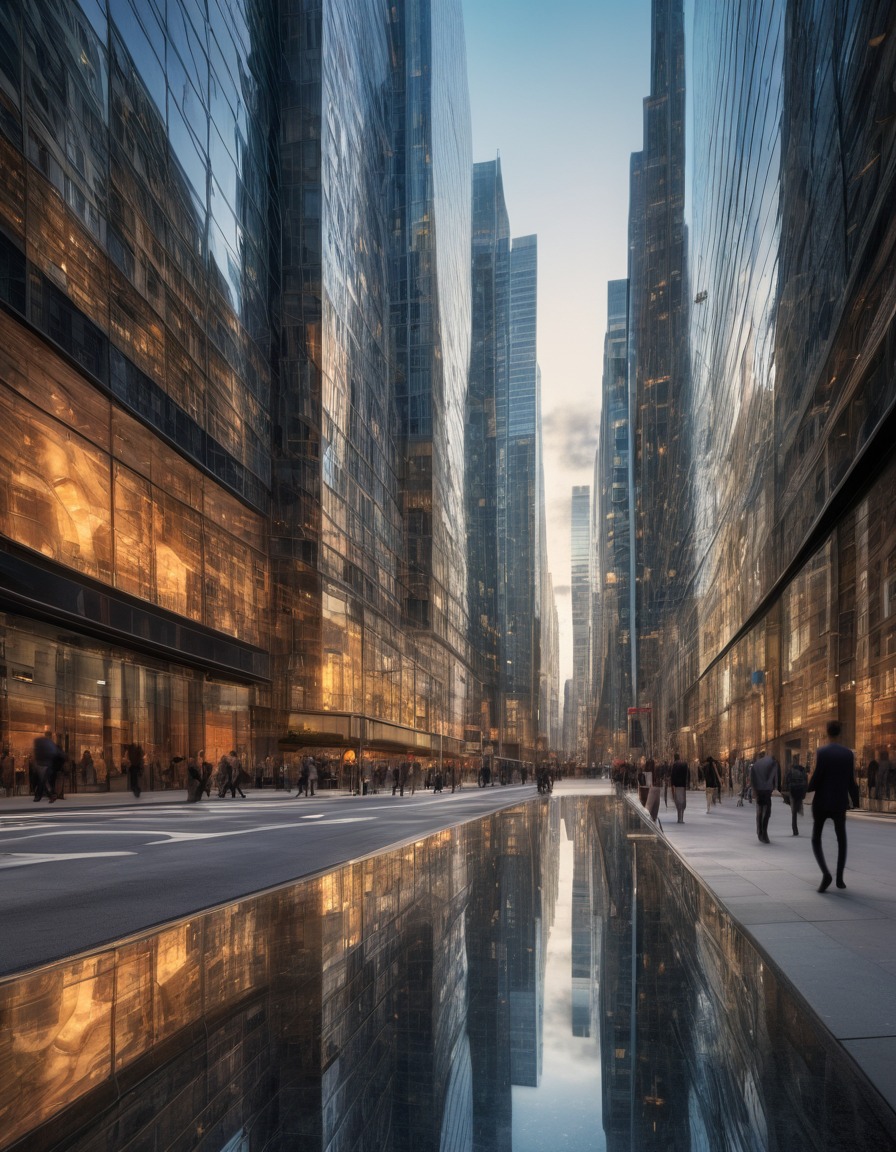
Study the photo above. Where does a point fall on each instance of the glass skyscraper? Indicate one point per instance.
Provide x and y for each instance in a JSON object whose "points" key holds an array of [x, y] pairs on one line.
{"points": [[612, 515], [761, 382], [235, 243], [580, 728], [511, 596], [489, 361], [136, 211]]}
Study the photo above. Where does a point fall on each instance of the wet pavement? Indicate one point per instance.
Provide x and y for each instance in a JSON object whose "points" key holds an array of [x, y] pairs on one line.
{"points": [[549, 976], [839, 947], [80, 874]]}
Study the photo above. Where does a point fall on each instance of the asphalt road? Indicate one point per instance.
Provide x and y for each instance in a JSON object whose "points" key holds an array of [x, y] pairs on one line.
{"points": [[74, 879]]}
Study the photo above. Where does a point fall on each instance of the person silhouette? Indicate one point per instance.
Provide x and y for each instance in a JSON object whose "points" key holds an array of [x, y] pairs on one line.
{"points": [[834, 786]]}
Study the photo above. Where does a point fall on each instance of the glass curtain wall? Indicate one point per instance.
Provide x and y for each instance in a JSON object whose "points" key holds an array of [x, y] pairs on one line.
{"points": [[612, 543], [135, 218], [786, 618]]}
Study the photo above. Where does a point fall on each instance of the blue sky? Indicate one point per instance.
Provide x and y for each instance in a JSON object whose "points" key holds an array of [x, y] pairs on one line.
{"points": [[558, 90]]}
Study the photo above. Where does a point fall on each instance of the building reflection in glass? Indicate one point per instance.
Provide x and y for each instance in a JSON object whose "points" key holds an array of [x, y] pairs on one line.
{"points": [[762, 258], [446, 996]]}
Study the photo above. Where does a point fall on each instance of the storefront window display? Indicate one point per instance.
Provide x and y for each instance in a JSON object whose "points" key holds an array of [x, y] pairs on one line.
{"points": [[98, 699]]}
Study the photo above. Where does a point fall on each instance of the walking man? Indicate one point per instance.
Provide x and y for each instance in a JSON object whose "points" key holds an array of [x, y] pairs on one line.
{"points": [[47, 756], [834, 785], [712, 782], [795, 785], [764, 778], [135, 767], [678, 778], [884, 776]]}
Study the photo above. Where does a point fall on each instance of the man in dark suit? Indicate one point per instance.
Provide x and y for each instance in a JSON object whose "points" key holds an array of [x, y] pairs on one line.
{"points": [[834, 785]]}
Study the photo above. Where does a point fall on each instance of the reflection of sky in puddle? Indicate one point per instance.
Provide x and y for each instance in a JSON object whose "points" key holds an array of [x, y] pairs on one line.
{"points": [[564, 1113], [388, 1006]]}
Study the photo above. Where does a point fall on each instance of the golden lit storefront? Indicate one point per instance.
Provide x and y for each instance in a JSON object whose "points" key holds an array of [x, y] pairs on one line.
{"points": [[135, 586], [97, 699]]}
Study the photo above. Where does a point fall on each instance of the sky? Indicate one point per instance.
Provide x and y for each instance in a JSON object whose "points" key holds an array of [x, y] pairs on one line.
{"points": [[558, 91], [565, 1112]]}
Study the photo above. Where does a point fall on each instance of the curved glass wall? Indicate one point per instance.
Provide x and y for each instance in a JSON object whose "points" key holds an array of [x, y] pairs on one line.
{"points": [[779, 617]]}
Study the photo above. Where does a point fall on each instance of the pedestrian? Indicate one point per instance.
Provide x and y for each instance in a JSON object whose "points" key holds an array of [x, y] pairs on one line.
{"points": [[764, 777], [870, 777], [222, 778], [746, 788], [664, 779], [645, 779], [438, 781], [795, 785], [312, 774], [396, 780], [712, 782], [207, 773], [302, 789], [135, 767], [195, 783], [884, 774], [678, 778], [232, 770], [834, 785], [47, 760], [7, 772], [654, 790]]}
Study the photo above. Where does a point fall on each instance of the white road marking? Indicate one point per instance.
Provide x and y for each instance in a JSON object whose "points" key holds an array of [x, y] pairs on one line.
{"points": [[182, 837], [20, 859]]}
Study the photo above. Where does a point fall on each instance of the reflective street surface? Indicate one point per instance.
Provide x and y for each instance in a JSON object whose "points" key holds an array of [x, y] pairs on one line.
{"points": [[75, 877], [548, 977]]}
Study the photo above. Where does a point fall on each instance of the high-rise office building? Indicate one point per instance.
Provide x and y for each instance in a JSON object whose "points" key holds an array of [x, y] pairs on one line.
{"points": [[519, 433], [489, 363], [375, 314], [369, 533], [785, 616], [581, 620], [658, 359], [612, 515], [510, 593], [138, 218], [236, 284], [430, 209]]}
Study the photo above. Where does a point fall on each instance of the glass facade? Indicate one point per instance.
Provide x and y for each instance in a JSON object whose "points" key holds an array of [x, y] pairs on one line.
{"points": [[489, 360], [519, 430], [612, 689], [336, 535], [658, 358], [136, 202], [760, 333], [235, 251], [580, 552], [512, 610]]}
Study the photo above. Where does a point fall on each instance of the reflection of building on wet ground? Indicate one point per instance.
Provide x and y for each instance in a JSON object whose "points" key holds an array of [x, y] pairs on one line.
{"points": [[703, 1042], [370, 1008], [381, 1006], [584, 922]]}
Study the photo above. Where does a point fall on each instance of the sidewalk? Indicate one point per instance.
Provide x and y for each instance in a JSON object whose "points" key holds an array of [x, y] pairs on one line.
{"points": [[837, 948]]}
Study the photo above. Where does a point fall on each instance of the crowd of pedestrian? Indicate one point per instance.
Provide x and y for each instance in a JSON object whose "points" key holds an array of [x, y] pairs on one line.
{"points": [[833, 785]]}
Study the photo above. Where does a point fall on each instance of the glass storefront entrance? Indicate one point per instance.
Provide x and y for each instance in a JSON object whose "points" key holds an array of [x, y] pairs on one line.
{"points": [[97, 699]]}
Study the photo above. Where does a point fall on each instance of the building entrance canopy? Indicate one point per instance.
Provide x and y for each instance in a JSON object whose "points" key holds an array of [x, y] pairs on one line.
{"points": [[345, 730]]}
